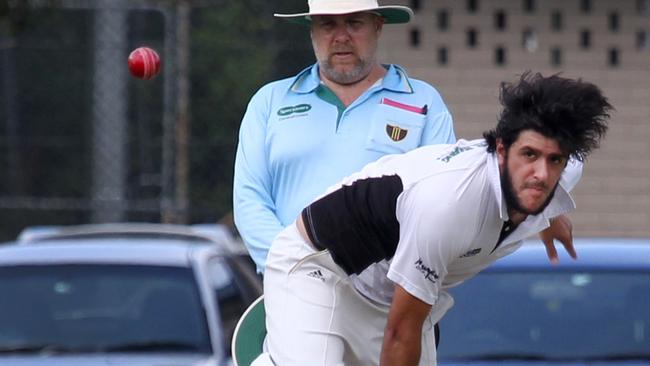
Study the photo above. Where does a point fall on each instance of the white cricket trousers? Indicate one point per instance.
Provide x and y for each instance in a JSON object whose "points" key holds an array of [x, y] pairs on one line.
{"points": [[314, 315]]}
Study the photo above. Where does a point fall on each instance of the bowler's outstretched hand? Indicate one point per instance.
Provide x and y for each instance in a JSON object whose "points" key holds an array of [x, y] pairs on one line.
{"points": [[561, 230]]}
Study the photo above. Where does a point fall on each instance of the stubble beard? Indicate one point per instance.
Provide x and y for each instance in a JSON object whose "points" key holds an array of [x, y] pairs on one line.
{"points": [[359, 71]]}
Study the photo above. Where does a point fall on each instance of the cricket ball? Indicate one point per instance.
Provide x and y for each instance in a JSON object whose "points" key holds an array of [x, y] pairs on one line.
{"points": [[144, 63]]}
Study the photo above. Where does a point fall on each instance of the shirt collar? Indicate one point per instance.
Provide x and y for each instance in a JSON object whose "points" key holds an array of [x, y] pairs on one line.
{"points": [[494, 178], [560, 204], [395, 79], [306, 81]]}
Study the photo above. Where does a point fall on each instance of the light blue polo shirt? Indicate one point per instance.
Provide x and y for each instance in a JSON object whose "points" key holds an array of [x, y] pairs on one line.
{"points": [[297, 139]]}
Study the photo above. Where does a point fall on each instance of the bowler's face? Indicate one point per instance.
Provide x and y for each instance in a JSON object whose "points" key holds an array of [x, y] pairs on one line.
{"points": [[346, 45], [533, 165]]}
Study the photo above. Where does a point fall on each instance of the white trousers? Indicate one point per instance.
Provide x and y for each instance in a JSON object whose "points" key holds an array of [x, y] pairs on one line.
{"points": [[315, 316]]}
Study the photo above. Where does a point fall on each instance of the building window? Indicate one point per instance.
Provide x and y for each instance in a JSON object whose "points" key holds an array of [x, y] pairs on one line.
{"points": [[556, 20], [416, 5], [500, 20], [500, 56], [443, 56], [585, 6], [529, 6], [414, 36], [642, 40], [443, 20], [529, 40], [472, 6], [556, 56], [614, 57], [614, 21], [472, 37], [585, 39]]}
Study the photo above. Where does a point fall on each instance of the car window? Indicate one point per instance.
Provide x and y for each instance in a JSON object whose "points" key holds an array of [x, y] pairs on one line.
{"points": [[549, 315], [235, 286], [101, 308]]}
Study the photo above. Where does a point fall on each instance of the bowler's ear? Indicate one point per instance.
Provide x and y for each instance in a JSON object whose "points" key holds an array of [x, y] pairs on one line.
{"points": [[500, 151]]}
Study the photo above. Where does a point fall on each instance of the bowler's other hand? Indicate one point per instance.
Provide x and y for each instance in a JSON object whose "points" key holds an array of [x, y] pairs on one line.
{"points": [[561, 230]]}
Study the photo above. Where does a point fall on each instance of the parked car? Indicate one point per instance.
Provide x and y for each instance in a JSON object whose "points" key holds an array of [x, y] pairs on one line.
{"points": [[524, 311], [122, 294]]}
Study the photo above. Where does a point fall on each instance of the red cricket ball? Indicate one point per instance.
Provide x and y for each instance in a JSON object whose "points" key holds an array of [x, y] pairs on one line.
{"points": [[144, 63]]}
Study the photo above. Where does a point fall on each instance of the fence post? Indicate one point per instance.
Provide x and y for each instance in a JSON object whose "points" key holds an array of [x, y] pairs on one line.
{"points": [[109, 113]]}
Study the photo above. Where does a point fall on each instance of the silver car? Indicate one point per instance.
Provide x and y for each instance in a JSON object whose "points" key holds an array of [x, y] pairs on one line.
{"points": [[123, 294]]}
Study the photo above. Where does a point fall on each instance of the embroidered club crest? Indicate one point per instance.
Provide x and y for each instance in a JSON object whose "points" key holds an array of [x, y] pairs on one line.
{"points": [[396, 133]]}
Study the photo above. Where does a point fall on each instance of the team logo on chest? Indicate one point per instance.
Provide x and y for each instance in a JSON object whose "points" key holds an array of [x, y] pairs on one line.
{"points": [[396, 133], [471, 253]]}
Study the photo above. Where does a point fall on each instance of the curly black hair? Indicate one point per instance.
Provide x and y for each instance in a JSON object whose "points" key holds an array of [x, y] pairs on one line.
{"points": [[573, 112]]}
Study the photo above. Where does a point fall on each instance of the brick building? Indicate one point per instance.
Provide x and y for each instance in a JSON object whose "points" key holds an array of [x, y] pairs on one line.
{"points": [[467, 47]]}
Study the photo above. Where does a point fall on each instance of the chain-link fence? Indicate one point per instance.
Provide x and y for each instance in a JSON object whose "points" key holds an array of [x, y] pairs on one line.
{"points": [[83, 141]]}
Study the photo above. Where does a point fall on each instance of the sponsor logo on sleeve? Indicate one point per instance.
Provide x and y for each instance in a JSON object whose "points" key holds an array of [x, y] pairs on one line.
{"points": [[428, 273]]}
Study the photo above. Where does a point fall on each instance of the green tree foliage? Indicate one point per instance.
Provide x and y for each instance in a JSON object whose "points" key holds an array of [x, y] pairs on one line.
{"points": [[51, 69], [236, 49], [46, 86]]}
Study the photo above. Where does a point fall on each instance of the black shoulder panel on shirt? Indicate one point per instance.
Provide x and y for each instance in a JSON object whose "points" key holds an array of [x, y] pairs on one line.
{"points": [[357, 222]]}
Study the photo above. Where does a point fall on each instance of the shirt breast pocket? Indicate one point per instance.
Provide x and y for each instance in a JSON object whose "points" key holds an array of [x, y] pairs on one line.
{"points": [[394, 130]]}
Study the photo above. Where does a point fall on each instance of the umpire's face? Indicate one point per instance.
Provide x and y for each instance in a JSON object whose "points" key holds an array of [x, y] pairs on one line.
{"points": [[346, 45], [530, 170]]}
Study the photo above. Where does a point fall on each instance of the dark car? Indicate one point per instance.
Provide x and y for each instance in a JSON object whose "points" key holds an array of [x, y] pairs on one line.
{"points": [[122, 294], [524, 311]]}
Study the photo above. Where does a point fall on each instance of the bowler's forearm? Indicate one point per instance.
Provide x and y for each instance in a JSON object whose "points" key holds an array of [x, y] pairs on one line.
{"points": [[400, 351]]}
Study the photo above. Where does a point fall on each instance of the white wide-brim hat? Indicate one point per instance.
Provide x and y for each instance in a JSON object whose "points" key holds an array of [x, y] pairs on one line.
{"points": [[392, 13]]}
